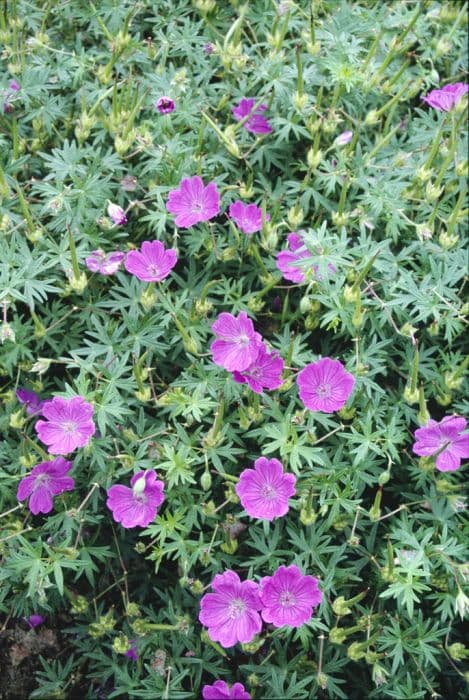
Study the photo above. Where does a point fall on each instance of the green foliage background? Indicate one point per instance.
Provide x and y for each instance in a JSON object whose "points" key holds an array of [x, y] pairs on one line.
{"points": [[369, 519]]}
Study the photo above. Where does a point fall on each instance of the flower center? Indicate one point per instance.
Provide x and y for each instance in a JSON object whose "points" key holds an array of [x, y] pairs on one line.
{"points": [[69, 426], [41, 480], [323, 391], [268, 492], [236, 609], [196, 207], [153, 270], [287, 599], [243, 339]]}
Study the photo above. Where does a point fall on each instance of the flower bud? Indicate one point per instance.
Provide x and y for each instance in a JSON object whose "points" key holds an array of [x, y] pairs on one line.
{"points": [[443, 47], [229, 547], [7, 333], [424, 232], [295, 216], [461, 604], [372, 118], [351, 293], [133, 610], [307, 517], [41, 365], [432, 192], [458, 651], [384, 477], [322, 680], [209, 508], [79, 605], [121, 644], [410, 396], [423, 174], [338, 635], [356, 651], [347, 413], [17, 420], [378, 674], [254, 680], [196, 587], [77, 284], [300, 101], [252, 647], [462, 169], [148, 298], [206, 480], [452, 380], [340, 219], [246, 191], [143, 394], [448, 241], [311, 322], [255, 304], [314, 158], [444, 399]]}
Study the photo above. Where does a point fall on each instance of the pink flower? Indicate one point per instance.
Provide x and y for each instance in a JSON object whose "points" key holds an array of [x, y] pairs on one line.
{"points": [[152, 263], [344, 138], [117, 214], [445, 98], [247, 217], [231, 613], [287, 260], [108, 264], [68, 425], [15, 86], [193, 202], [237, 345], [138, 506], [45, 481], [30, 400], [445, 439], [325, 385], [222, 691], [264, 373], [132, 653], [35, 620], [288, 597], [257, 123], [264, 491], [165, 105]]}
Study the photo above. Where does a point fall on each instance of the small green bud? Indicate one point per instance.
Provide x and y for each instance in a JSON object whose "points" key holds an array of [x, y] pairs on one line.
{"points": [[356, 651], [255, 304], [458, 651], [409, 395], [307, 517], [452, 380], [434, 328], [379, 674], [133, 610], [305, 304], [254, 680], [144, 394], [340, 219], [372, 118], [448, 241], [28, 460], [462, 169], [426, 464], [295, 216], [197, 587], [340, 606], [79, 605], [432, 192], [148, 298], [206, 480], [300, 100], [208, 508], [322, 680], [347, 413], [384, 477], [423, 174], [314, 158], [338, 635], [17, 420], [229, 547], [252, 647], [351, 293], [444, 399], [443, 47], [311, 322], [230, 253], [77, 284], [121, 644]]}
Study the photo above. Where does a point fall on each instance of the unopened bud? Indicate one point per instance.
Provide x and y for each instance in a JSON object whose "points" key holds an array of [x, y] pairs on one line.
{"points": [[314, 158], [295, 216], [448, 241], [300, 101], [206, 480], [432, 192], [458, 651], [307, 517], [372, 118], [411, 396]]}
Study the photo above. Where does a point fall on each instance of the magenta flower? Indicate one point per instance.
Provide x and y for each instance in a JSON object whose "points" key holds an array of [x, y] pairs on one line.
{"points": [[35, 620], [446, 440], [30, 401], [69, 424], [165, 105], [117, 214], [325, 385], [247, 217], [344, 138], [45, 481], [237, 345], [288, 597], [193, 202], [257, 123], [108, 264], [264, 373], [132, 653], [264, 491], [445, 98], [231, 613], [222, 691], [286, 259], [152, 263], [15, 86], [138, 506]]}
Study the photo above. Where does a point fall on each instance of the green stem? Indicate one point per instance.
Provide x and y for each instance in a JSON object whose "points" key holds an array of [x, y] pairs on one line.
{"points": [[73, 254]]}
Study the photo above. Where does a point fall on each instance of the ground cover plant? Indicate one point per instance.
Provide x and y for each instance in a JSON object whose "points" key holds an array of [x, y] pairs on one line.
{"points": [[232, 284]]}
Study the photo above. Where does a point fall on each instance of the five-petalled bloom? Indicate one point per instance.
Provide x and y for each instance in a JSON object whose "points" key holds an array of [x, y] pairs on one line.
{"points": [[45, 481], [445, 98], [193, 202], [264, 373], [136, 506], [222, 691], [231, 613], [288, 597], [165, 105], [238, 344], [446, 440], [30, 401], [152, 263], [264, 491], [325, 385], [35, 620], [105, 264], [248, 217], [117, 214], [257, 123], [68, 424]]}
